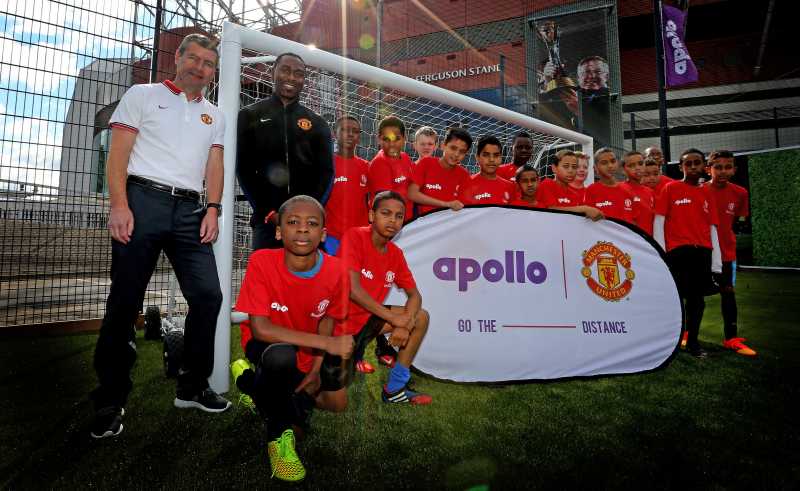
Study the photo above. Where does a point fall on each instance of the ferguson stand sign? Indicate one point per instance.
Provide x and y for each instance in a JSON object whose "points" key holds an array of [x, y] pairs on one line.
{"points": [[462, 72]]}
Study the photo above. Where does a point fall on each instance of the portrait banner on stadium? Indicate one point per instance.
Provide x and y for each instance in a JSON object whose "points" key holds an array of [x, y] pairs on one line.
{"points": [[573, 73], [538, 295]]}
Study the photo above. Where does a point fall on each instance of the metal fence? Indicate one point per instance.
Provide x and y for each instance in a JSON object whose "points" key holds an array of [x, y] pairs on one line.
{"points": [[63, 67]]}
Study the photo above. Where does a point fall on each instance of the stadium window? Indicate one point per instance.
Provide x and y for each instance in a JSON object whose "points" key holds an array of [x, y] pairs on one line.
{"points": [[451, 57], [420, 62]]}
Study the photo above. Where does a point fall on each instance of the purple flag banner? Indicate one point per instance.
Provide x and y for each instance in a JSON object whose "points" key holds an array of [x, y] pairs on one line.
{"points": [[678, 65]]}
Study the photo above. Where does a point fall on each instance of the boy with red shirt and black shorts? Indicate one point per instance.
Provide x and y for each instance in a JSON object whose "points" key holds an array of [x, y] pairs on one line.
{"points": [[606, 194], [435, 181], [486, 187], [557, 194], [293, 296], [732, 202], [391, 169], [643, 198], [521, 152], [527, 182], [375, 264], [348, 203], [686, 226]]}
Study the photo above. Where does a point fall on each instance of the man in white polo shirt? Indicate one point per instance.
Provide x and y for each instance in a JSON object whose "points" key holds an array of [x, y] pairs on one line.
{"points": [[166, 139]]}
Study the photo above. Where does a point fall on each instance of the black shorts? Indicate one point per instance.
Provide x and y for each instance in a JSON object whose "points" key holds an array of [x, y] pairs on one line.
{"points": [[329, 374], [725, 279], [335, 373], [691, 267]]}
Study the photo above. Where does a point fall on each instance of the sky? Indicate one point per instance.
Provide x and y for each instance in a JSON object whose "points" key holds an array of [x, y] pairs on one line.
{"points": [[43, 46]]}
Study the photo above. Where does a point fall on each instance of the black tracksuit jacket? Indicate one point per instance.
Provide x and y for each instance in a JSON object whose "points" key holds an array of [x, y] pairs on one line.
{"points": [[282, 152]]}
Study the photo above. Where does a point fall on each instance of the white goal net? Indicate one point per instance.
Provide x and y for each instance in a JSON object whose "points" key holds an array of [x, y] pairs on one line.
{"points": [[336, 86]]}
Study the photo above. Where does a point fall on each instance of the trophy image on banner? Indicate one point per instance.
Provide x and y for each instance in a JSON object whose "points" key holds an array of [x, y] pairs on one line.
{"points": [[553, 73]]}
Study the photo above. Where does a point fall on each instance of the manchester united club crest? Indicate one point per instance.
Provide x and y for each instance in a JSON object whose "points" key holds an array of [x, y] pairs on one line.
{"points": [[605, 279], [321, 308], [304, 124], [206, 118]]}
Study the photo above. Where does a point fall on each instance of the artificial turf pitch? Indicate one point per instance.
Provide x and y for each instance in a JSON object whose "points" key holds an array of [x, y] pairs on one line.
{"points": [[726, 422]]}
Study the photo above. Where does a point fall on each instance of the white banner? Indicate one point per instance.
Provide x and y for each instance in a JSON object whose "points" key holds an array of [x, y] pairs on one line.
{"points": [[524, 294]]}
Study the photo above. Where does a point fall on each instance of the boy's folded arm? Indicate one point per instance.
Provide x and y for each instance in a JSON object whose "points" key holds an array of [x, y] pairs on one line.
{"points": [[362, 298], [417, 196], [264, 330], [413, 303]]}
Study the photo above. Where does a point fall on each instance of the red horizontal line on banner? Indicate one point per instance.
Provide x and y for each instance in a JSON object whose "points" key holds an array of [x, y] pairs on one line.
{"points": [[531, 326]]}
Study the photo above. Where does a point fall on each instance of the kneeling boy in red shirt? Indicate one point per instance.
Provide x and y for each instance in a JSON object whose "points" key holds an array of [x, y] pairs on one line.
{"points": [[293, 295], [375, 264]]}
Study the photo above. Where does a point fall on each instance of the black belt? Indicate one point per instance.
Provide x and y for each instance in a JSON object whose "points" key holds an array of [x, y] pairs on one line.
{"points": [[181, 193]]}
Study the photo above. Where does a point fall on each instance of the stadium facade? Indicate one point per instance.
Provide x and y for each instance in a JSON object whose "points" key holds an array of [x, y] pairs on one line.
{"points": [[747, 97]]}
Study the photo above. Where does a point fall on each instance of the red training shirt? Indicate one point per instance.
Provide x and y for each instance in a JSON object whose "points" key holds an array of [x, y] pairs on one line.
{"points": [[378, 272], [732, 201], [613, 201], [522, 202], [347, 205], [551, 193], [387, 174], [437, 182], [689, 211], [482, 191], [662, 181], [644, 201], [507, 171], [269, 289]]}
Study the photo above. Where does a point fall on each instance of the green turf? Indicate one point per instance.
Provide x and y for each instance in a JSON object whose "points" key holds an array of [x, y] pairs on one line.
{"points": [[724, 422]]}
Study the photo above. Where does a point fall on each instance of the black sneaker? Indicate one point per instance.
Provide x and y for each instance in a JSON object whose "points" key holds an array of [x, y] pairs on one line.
{"points": [[207, 400], [698, 352], [107, 422]]}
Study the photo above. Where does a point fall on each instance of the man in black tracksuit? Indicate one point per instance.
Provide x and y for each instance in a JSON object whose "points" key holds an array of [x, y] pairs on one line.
{"points": [[284, 150]]}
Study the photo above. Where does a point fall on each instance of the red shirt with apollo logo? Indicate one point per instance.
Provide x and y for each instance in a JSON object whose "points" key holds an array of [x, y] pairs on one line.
{"points": [[388, 174], [347, 205], [644, 202], [551, 193], [732, 201], [613, 201], [689, 211], [482, 191], [270, 290], [377, 271], [437, 182]]}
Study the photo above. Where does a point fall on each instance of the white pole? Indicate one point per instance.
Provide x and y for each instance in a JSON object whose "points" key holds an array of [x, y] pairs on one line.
{"points": [[268, 43], [229, 89]]}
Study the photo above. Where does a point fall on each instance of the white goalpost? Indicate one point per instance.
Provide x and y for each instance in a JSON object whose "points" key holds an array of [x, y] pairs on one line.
{"points": [[335, 86]]}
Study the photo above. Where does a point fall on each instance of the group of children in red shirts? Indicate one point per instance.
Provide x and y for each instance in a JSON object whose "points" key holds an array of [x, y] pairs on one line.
{"points": [[313, 313]]}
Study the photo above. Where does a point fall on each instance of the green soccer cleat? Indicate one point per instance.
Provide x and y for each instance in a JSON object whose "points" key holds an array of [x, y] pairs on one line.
{"points": [[283, 459], [237, 368]]}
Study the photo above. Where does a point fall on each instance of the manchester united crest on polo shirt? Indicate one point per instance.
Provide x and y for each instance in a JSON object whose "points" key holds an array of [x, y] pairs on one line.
{"points": [[206, 118], [304, 124]]}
